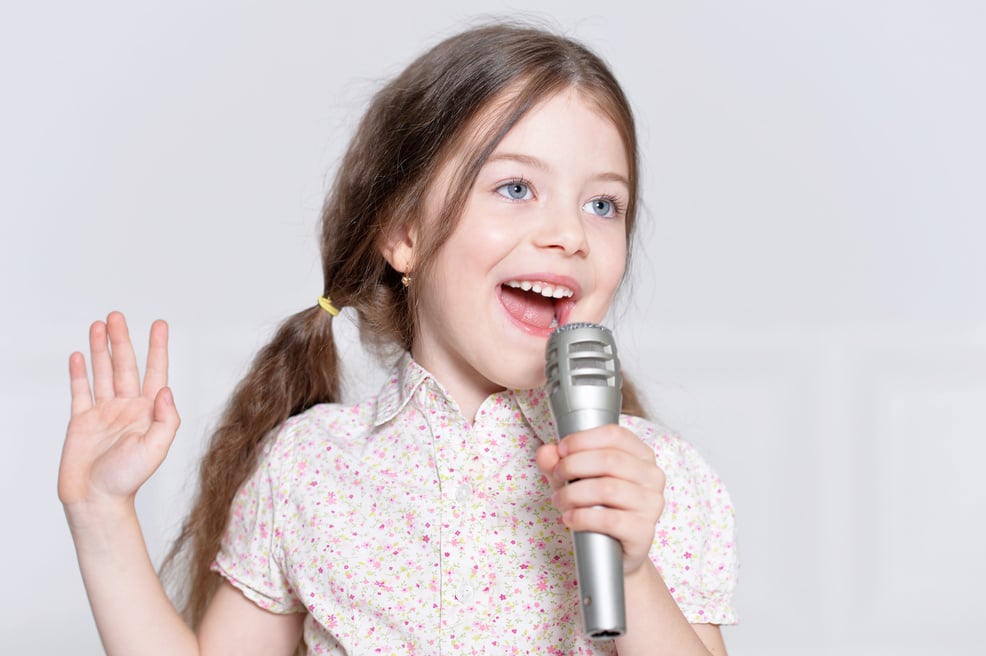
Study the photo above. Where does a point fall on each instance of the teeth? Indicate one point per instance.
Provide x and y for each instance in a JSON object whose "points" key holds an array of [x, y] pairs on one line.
{"points": [[542, 288]]}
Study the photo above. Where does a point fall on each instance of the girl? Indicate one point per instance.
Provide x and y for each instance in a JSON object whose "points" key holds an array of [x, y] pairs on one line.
{"points": [[488, 195]]}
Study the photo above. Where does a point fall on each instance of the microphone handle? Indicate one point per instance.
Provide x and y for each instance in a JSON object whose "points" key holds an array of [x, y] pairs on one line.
{"points": [[598, 557], [599, 566]]}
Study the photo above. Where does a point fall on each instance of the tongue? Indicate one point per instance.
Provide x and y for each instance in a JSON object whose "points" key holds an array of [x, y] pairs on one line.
{"points": [[528, 307]]}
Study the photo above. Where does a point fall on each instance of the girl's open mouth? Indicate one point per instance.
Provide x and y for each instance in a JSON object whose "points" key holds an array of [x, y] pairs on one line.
{"points": [[536, 304]]}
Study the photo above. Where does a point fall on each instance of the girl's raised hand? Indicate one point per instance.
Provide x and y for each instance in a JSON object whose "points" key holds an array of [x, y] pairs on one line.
{"points": [[121, 428], [617, 487]]}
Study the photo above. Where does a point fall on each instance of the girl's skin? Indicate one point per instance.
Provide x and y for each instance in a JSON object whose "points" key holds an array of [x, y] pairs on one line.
{"points": [[545, 207]]}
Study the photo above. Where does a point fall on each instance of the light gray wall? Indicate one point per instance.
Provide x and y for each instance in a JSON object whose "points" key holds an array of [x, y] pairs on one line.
{"points": [[808, 308]]}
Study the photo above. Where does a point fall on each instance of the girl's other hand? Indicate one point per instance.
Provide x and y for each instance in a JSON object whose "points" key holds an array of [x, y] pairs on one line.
{"points": [[616, 487], [121, 428]]}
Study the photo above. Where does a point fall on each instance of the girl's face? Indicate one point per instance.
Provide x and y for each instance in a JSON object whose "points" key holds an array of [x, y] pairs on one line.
{"points": [[541, 242]]}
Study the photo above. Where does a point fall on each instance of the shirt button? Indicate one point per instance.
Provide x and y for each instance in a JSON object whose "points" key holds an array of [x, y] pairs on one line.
{"points": [[463, 493], [465, 593]]}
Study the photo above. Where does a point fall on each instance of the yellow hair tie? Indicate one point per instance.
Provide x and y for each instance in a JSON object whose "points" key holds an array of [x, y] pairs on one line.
{"points": [[326, 303]]}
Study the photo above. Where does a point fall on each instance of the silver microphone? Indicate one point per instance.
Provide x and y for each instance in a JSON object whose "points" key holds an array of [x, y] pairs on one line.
{"points": [[584, 383]]}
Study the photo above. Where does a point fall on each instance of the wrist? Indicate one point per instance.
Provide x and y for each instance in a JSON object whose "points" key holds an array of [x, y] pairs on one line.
{"points": [[89, 514], [643, 577]]}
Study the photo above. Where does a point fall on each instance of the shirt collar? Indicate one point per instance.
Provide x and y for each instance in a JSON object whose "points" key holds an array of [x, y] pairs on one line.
{"points": [[536, 409], [403, 382], [407, 376]]}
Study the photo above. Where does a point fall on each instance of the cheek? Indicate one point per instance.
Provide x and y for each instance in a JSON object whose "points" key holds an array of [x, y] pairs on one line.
{"points": [[612, 257], [494, 228]]}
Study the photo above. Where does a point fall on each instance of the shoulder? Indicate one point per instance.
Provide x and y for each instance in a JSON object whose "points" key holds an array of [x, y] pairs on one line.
{"points": [[321, 428], [683, 464], [669, 447]]}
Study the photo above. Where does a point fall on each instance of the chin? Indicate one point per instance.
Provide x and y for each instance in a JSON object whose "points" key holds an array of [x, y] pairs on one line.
{"points": [[524, 377]]}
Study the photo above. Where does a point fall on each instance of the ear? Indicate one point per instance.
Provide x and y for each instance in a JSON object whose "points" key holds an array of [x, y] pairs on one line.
{"points": [[399, 248]]}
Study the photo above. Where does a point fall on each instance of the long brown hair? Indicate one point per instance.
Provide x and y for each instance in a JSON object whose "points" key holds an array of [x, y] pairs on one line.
{"points": [[411, 127]]}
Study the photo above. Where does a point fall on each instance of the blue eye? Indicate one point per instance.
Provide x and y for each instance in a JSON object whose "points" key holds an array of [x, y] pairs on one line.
{"points": [[515, 190], [605, 207]]}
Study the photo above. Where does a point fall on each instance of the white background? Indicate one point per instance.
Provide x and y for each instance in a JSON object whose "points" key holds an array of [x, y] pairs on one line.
{"points": [[808, 305]]}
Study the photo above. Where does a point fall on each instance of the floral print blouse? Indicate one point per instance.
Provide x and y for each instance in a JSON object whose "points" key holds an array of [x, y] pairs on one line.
{"points": [[401, 528]]}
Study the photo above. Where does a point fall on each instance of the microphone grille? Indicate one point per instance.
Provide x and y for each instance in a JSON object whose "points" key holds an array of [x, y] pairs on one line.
{"points": [[582, 354]]}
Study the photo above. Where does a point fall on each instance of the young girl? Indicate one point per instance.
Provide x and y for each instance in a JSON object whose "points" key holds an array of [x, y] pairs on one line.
{"points": [[488, 195]]}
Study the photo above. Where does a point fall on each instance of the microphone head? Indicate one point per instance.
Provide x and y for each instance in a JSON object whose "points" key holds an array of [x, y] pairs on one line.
{"points": [[583, 377]]}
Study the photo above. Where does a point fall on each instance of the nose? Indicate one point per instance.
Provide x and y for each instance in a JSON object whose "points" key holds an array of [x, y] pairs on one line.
{"points": [[562, 229]]}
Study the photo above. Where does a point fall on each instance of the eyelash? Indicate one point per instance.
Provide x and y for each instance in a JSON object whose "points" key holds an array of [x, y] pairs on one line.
{"points": [[618, 207], [513, 183], [612, 200]]}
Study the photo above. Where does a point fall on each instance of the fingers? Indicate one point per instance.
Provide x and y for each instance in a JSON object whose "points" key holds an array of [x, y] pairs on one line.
{"points": [[547, 459], [126, 381], [609, 492], [605, 437], [635, 531], [607, 451], [156, 375], [79, 383], [102, 364], [612, 462], [607, 480], [114, 364]]}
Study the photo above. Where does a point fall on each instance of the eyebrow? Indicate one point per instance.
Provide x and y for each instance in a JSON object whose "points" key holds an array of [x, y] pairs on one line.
{"points": [[611, 176]]}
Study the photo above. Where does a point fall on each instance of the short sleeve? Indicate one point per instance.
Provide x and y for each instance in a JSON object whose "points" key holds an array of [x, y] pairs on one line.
{"points": [[711, 599], [695, 539], [251, 556]]}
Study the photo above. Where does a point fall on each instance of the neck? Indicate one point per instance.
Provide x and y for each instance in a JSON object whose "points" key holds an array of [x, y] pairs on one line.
{"points": [[468, 389]]}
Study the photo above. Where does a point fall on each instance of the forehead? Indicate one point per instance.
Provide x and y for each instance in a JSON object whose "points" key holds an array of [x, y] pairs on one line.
{"points": [[569, 125], [514, 119]]}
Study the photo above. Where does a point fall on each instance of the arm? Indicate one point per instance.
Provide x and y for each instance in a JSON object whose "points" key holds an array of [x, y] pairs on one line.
{"points": [[618, 489], [119, 433], [649, 603]]}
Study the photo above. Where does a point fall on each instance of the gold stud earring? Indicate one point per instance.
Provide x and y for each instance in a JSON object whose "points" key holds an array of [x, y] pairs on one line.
{"points": [[406, 280]]}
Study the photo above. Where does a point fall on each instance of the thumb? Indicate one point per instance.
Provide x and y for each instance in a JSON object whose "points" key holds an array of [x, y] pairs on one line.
{"points": [[547, 458], [166, 420]]}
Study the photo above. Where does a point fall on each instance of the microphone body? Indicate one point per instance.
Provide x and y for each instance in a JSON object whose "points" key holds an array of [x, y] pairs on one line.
{"points": [[583, 373]]}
